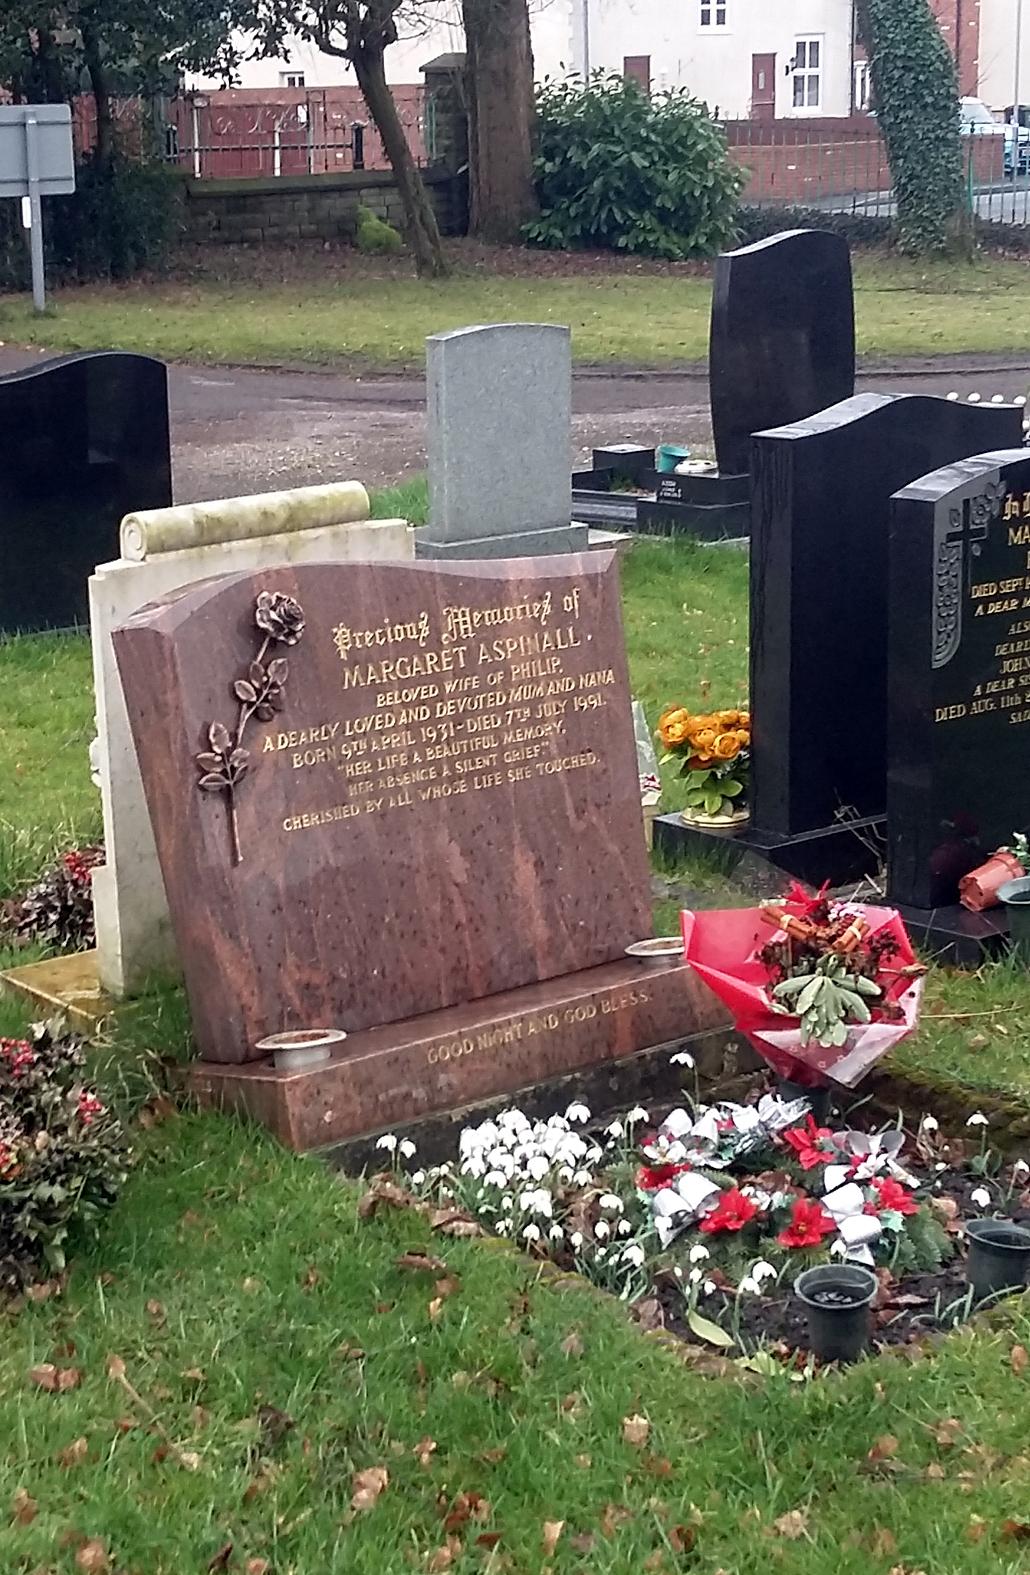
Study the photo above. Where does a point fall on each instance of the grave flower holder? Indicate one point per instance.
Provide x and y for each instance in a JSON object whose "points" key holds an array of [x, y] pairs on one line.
{"points": [[980, 888], [723, 948], [715, 752]]}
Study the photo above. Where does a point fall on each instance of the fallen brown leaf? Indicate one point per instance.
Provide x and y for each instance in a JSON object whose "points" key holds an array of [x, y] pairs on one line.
{"points": [[115, 1368], [885, 1448], [221, 1559], [550, 1534], [454, 1222], [435, 1308], [584, 1462], [310, 1278], [658, 1466], [635, 1431], [682, 1538], [73, 1454], [883, 1542], [572, 1345], [92, 1557], [367, 1485], [948, 1432], [447, 1286], [488, 1539], [444, 1557], [384, 1190], [257, 1567], [935, 1472], [55, 1380], [977, 1529], [1018, 1359], [655, 1562], [156, 1311], [793, 1525], [615, 1515], [24, 1508], [1015, 1530], [421, 1262], [195, 1375], [648, 1314], [274, 1425], [424, 1450], [582, 1542], [493, 1457]]}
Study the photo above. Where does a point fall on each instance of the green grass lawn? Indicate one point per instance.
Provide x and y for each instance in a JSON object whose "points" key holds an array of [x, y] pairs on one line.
{"points": [[274, 1348], [362, 315]]}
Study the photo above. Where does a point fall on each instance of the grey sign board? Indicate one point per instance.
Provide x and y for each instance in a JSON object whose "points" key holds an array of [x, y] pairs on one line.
{"points": [[54, 162]]}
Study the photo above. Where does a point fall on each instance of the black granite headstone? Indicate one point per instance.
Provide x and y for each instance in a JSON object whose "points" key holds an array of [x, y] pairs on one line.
{"points": [[84, 442], [783, 337], [958, 737], [820, 506]]}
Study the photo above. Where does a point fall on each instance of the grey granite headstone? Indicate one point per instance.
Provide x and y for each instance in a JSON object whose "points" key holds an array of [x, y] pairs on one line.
{"points": [[500, 412]]}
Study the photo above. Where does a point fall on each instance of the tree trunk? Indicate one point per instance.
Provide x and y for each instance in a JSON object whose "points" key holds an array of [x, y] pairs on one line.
{"points": [[502, 117], [97, 72], [423, 230]]}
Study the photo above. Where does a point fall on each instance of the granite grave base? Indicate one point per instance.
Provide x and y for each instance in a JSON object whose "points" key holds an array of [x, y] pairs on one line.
{"points": [[839, 853], [704, 504], [449, 1059], [954, 936]]}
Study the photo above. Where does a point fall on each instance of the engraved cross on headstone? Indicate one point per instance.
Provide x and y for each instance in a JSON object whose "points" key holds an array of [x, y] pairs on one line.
{"points": [[957, 546]]}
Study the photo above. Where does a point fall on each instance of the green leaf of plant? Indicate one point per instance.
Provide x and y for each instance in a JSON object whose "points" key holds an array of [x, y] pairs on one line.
{"points": [[706, 1330]]}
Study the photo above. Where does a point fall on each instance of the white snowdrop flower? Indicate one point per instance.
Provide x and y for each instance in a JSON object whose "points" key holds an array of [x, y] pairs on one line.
{"points": [[556, 1233], [698, 1253], [406, 1148], [611, 1202], [696, 1276], [682, 1058], [387, 1141], [624, 1228], [564, 1172], [677, 1271], [507, 1202], [978, 1119], [940, 1165], [981, 1197], [500, 1159], [503, 1227], [601, 1230], [538, 1167], [474, 1166], [616, 1130], [593, 1154], [1021, 1168], [838, 1249], [531, 1233], [762, 1271], [495, 1178], [929, 1124], [577, 1112], [633, 1254], [536, 1201], [417, 1177], [576, 1239], [709, 1287], [638, 1113], [582, 1178], [601, 1254], [748, 1286]]}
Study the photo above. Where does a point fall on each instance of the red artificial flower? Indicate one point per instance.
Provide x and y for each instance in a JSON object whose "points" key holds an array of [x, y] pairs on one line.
{"points": [[894, 1196], [803, 903], [732, 1212], [809, 1223], [651, 1178], [18, 1053], [89, 1107], [805, 1140]]}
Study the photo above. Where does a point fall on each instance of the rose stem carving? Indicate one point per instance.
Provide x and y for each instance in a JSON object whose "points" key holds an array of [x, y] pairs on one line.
{"points": [[260, 693]]}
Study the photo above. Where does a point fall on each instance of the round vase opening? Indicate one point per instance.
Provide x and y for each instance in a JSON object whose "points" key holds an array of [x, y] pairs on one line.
{"points": [[300, 1048], [697, 817]]}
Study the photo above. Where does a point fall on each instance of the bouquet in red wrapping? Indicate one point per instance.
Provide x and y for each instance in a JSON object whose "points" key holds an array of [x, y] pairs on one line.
{"points": [[820, 988]]}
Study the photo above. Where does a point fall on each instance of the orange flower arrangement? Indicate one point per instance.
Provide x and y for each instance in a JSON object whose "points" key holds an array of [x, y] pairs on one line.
{"points": [[714, 748]]}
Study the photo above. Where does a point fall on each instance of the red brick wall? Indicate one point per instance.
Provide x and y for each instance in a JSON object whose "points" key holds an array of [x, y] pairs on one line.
{"points": [[959, 21]]}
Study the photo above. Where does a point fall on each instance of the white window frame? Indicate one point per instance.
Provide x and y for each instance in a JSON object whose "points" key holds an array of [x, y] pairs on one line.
{"points": [[808, 72], [713, 16], [292, 79], [862, 87]]}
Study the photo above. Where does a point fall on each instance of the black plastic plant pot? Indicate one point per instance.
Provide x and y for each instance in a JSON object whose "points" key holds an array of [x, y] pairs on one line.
{"points": [[838, 1298], [998, 1258], [1014, 897], [818, 1098]]}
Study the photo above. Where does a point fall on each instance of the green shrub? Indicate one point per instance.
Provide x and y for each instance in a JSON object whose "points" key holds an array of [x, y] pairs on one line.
{"points": [[860, 229], [616, 168], [123, 218], [62, 1155], [374, 236]]}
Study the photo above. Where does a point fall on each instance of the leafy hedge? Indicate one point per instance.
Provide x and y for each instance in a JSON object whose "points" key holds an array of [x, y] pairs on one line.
{"points": [[618, 169], [917, 101], [123, 218]]}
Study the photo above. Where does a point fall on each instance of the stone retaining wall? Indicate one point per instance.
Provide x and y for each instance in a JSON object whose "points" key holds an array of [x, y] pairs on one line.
{"points": [[310, 207]]}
